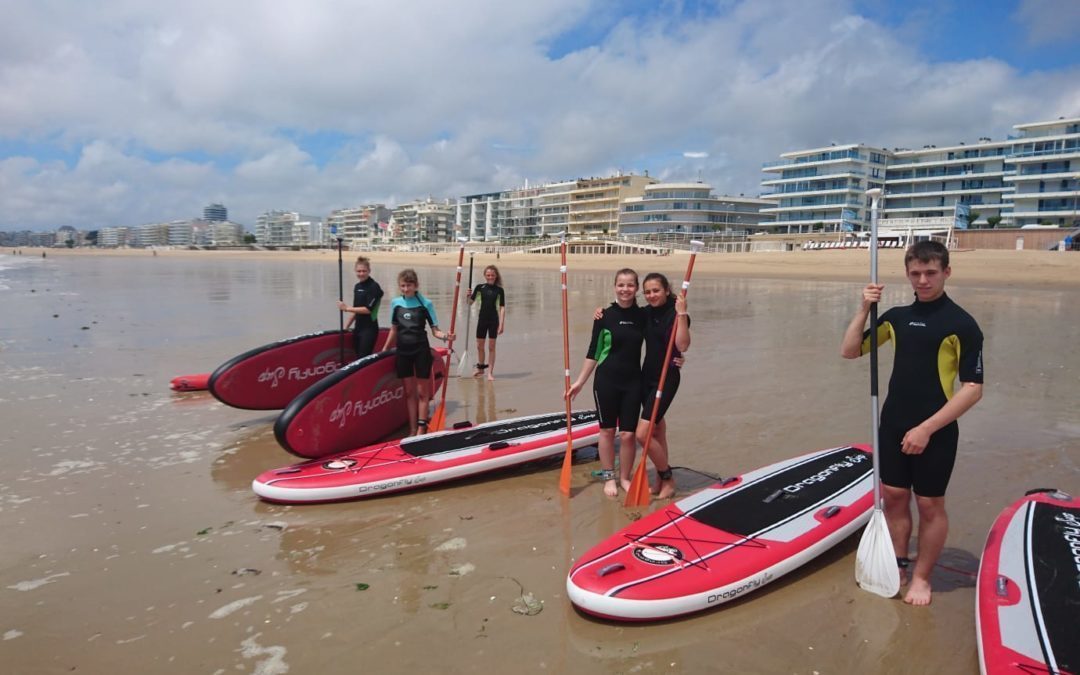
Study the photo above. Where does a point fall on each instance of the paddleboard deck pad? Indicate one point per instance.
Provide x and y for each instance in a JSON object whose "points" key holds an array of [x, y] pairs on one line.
{"points": [[726, 540], [358, 405], [198, 382], [269, 377], [420, 461], [1027, 602]]}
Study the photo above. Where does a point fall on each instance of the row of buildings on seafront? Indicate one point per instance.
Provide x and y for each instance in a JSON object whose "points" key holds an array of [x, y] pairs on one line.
{"points": [[1029, 179]]}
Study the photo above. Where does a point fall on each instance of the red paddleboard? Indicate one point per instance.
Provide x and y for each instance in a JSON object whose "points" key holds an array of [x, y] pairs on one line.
{"points": [[1027, 600], [425, 460], [190, 382], [726, 540], [360, 404], [269, 377]]}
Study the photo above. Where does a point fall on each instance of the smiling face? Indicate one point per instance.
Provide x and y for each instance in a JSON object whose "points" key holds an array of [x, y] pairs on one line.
{"points": [[655, 293], [927, 279], [407, 288], [490, 276], [363, 272], [625, 289]]}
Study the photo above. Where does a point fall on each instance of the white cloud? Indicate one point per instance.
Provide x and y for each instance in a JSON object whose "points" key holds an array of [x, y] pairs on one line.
{"points": [[313, 107]]}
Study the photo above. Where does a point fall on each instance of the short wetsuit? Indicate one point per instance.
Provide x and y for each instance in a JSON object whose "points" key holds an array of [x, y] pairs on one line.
{"points": [[936, 342], [366, 326], [659, 322], [491, 298], [410, 316], [616, 348]]}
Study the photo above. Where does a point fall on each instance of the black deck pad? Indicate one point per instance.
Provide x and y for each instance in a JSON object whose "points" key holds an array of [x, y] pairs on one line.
{"points": [[1055, 565], [488, 434], [745, 511]]}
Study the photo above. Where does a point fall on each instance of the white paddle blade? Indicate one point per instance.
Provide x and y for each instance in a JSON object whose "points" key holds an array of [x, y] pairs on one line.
{"points": [[875, 562], [463, 365]]}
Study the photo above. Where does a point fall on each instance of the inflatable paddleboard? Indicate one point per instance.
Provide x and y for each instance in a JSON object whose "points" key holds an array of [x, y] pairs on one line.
{"points": [[425, 460], [197, 382], [360, 404], [1027, 601], [269, 377], [727, 540]]}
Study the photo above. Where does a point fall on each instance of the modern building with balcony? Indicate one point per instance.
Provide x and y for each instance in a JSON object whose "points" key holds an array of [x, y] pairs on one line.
{"points": [[822, 189], [214, 213], [423, 221], [360, 226], [482, 217], [689, 208], [1045, 159], [595, 203], [289, 228]]}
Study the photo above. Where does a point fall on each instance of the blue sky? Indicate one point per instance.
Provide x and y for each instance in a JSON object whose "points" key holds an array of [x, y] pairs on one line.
{"points": [[121, 113]]}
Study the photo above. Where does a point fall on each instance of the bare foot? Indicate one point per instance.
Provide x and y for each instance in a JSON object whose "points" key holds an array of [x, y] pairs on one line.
{"points": [[610, 488], [667, 489], [625, 484], [918, 593], [491, 378], [479, 373]]}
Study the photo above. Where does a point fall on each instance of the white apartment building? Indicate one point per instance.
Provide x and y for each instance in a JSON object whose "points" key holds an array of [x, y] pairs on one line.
{"points": [[225, 233], [290, 228], [822, 189], [152, 234], [1028, 179], [112, 237], [423, 220], [482, 217], [689, 208], [360, 226], [595, 203], [1045, 158]]}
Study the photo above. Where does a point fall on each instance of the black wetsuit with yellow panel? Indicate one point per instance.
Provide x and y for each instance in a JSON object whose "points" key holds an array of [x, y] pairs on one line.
{"points": [[936, 343], [616, 347]]}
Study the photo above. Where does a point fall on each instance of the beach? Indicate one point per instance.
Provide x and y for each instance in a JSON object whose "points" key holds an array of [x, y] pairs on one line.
{"points": [[135, 542]]}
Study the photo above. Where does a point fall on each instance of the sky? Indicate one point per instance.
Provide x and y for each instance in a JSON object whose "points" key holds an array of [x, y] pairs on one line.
{"points": [[123, 112]]}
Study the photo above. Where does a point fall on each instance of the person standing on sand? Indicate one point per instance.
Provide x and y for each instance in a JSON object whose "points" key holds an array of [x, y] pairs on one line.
{"points": [[364, 312], [410, 315], [615, 354], [936, 343], [490, 321]]}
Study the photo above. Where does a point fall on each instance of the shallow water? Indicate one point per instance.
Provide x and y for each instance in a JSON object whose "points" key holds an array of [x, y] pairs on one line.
{"points": [[134, 541]]}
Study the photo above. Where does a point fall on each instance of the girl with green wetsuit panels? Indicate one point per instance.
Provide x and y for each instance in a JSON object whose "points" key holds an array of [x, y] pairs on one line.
{"points": [[615, 354], [491, 319], [410, 315]]}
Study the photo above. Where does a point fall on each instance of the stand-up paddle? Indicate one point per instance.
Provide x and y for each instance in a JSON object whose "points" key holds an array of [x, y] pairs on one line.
{"points": [[340, 297], [438, 420], [463, 364], [568, 459], [875, 561], [638, 494]]}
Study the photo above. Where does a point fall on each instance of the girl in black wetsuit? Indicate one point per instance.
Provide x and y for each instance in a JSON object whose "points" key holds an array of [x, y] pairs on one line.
{"points": [[615, 354], [664, 312], [364, 312], [491, 319]]}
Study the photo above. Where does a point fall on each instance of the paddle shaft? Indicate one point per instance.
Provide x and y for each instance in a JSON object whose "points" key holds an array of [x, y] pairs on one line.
{"points": [[639, 477], [568, 459], [468, 319], [875, 409], [341, 298], [450, 342]]}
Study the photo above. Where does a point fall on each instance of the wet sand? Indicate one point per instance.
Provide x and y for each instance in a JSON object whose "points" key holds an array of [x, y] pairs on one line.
{"points": [[135, 543]]}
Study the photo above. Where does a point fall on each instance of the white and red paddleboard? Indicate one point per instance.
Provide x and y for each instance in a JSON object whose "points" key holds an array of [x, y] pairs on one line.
{"points": [[425, 460], [269, 377], [197, 382], [358, 405], [726, 540], [1027, 601]]}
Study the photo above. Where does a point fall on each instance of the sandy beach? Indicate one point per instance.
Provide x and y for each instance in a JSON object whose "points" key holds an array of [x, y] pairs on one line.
{"points": [[135, 542]]}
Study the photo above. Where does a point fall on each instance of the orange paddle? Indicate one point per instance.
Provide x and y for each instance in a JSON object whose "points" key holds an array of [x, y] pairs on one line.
{"points": [[438, 420], [568, 460]]}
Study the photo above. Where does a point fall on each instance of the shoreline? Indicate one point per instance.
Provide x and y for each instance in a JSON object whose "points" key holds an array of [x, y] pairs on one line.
{"points": [[996, 268]]}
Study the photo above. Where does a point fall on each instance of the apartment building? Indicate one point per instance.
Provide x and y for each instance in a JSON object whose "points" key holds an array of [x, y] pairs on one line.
{"points": [[360, 226], [689, 208], [595, 202], [1027, 179], [483, 217], [290, 228], [423, 220]]}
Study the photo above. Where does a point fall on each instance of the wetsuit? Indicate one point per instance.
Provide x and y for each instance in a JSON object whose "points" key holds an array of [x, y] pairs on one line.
{"points": [[491, 298], [659, 322], [616, 348], [936, 342], [366, 326], [411, 316]]}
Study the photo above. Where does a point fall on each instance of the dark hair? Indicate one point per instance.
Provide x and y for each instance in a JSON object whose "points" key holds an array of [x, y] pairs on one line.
{"points": [[659, 277], [498, 277], [926, 252], [627, 271], [361, 260], [408, 276]]}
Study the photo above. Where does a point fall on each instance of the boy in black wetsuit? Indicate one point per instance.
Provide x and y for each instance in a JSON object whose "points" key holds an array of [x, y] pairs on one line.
{"points": [[364, 312], [936, 342]]}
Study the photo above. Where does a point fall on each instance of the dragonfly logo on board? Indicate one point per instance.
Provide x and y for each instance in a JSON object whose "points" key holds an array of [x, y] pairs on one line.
{"points": [[658, 554]]}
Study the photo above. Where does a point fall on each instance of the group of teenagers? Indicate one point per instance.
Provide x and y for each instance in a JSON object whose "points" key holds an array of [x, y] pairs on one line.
{"points": [[936, 343], [410, 316]]}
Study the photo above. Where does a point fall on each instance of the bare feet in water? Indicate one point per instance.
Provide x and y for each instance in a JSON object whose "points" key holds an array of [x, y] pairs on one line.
{"points": [[667, 489], [918, 593]]}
